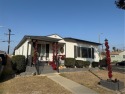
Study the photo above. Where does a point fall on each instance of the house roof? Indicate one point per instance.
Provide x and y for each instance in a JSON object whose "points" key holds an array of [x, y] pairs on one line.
{"points": [[79, 40], [2, 52], [115, 53], [55, 35], [50, 39], [42, 38]]}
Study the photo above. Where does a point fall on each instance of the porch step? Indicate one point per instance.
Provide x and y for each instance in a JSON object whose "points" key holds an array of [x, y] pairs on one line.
{"points": [[40, 70], [31, 69], [48, 69]]}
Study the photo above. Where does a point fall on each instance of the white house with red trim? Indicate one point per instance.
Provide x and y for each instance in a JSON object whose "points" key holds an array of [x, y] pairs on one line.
{"points": [[49, 46]]}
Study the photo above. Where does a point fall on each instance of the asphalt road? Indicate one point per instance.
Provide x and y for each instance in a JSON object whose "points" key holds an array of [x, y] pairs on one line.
{"points": [[120, 69]]}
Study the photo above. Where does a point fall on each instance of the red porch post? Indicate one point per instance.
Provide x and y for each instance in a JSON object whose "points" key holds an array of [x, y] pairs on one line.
{"points": [[55, 51], [108, 59], [35, 52], [55, 55]]}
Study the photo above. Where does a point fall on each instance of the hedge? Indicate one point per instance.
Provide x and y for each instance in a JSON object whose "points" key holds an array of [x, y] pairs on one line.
{"points": [[18, 63], [79, 63], [86, 63], [103, 63], [95, 64], [69, 62]]}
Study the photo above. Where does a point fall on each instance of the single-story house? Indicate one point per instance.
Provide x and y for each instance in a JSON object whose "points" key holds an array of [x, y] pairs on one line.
{"points": [[117, 56], [54, 45]]}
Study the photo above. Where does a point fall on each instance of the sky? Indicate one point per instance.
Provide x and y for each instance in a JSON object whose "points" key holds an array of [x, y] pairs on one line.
{"points": [[82, 19]]}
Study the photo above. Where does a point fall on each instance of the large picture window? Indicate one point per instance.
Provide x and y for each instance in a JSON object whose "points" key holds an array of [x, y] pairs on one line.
{"points": [[83, 52]]}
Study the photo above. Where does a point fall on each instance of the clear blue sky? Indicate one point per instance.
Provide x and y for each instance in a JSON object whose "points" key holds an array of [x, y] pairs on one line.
{"points": [[83, 19]]}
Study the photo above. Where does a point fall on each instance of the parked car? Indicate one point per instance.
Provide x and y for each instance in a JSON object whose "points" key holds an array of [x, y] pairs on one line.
{"points": [[3, 58], [122, 63]]}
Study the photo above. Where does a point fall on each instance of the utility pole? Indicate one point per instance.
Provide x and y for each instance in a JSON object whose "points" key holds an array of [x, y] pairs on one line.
{"points": [[99, 46], [9, 35]]}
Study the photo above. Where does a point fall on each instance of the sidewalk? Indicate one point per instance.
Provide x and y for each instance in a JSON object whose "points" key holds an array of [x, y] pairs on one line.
{"points": [[70, 85]]}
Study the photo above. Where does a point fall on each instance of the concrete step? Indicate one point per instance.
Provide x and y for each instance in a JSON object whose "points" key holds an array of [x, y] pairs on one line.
{"points": [[38, 70]]}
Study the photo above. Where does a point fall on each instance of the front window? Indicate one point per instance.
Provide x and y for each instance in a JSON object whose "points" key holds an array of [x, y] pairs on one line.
{"points": [[123, 56], [83, 52], [112, 55]]}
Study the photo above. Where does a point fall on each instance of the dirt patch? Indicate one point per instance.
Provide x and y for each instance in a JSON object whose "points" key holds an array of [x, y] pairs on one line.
{"points": [[89, 80], [31, 85]]}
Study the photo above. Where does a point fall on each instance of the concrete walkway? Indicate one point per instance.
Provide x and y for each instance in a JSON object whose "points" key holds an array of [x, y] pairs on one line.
{"points": [[70, 85]]}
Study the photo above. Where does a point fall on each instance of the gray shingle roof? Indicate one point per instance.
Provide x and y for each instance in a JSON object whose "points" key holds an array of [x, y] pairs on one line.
{"points": [[79, 40]]}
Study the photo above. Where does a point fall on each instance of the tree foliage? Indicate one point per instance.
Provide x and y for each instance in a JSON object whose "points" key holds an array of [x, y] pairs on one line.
{"points": [[120, 4]]}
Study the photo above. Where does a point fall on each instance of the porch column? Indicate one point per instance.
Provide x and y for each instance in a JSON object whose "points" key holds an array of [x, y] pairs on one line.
{"points": [[55, 51], [65, 50], [56, 48], [27, 61], [31, 55], [35, 52]]}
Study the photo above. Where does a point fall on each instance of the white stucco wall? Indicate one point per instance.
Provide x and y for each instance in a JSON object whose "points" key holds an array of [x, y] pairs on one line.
{"points": [[22, 50], [70, 51], [118, 57], [68, 47]]}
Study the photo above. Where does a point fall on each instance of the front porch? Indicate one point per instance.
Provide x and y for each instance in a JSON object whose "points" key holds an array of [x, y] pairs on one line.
{"points": [[44, 54]]}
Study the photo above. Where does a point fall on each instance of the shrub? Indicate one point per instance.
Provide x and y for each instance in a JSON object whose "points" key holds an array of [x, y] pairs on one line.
{"points": [[95, 64], [103, 63], [18, 63], [86, 63], [79, 63], [69, 62]]}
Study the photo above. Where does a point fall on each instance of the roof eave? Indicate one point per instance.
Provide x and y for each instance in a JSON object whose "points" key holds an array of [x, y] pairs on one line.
{"points": [[82, 41]]}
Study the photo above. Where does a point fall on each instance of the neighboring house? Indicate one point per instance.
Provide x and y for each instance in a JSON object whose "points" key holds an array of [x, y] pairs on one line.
{"points": [[68, 47], [117, 56], [2, 52]]}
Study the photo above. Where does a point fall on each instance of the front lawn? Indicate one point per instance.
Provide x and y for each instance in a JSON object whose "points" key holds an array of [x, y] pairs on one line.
{"points": [[31, 85], [89, 80]]}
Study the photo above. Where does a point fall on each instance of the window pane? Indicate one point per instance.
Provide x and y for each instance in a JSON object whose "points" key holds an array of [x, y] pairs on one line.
{"points": [[123, 56], [93, 53], [47, 50], [75, 52], [89, 52], [112, 55], [84, 52], [78, 52]]}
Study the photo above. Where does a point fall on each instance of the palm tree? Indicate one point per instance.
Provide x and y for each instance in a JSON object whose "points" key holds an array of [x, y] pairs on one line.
{"points": [[114, 49], [120, 4]]}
